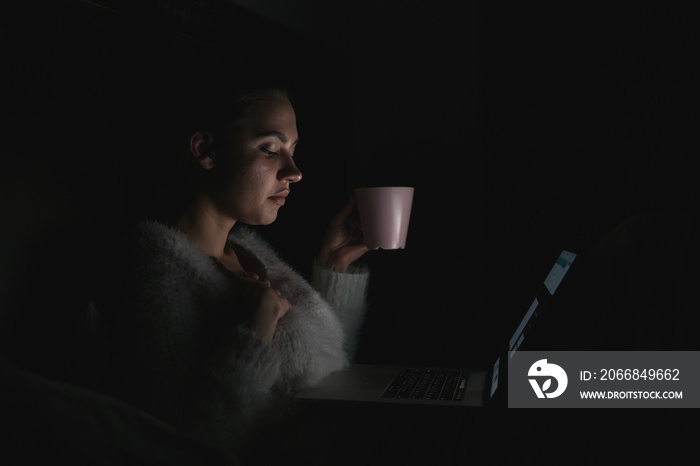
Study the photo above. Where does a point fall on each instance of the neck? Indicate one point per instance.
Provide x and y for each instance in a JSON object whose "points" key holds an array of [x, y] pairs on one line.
{"points": [[206, 227]]}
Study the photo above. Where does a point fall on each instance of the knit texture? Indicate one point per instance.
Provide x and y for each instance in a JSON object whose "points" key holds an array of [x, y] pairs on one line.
{"points": [[181, 350]]}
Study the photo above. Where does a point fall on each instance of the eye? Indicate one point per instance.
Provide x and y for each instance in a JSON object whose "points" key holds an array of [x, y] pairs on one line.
{"points": [[268, 152]]}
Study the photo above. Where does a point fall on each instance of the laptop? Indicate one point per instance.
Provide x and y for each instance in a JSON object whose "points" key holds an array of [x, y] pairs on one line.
{"points": [[437, 386]]}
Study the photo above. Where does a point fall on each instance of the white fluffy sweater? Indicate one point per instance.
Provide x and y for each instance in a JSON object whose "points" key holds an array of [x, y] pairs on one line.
{"points": [[180, 351]]}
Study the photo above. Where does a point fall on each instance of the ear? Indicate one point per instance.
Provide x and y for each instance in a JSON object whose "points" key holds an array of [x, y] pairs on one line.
{"points": [[202, 149]]}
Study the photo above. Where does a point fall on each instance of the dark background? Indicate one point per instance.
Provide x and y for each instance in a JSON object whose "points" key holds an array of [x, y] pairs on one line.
{"points": [[525, 129]]}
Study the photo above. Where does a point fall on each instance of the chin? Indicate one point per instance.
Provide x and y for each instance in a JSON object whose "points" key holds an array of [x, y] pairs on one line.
{"points": [[266, 220]]}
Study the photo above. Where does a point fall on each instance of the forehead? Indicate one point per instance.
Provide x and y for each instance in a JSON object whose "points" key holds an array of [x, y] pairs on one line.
{"points": [[274, 112]]}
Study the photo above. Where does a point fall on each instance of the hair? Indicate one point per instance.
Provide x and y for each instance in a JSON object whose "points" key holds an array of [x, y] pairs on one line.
{"points": [[224, 108]]}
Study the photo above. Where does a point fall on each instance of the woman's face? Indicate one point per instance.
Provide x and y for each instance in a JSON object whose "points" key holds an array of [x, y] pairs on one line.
{"points": [[253, 165]]}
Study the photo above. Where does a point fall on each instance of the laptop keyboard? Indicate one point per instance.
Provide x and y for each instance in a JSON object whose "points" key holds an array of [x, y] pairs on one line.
{"points": [[428, 384]]}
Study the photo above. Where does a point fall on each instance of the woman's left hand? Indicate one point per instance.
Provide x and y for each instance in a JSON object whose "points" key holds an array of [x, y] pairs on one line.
{"points": [[343, 242]]}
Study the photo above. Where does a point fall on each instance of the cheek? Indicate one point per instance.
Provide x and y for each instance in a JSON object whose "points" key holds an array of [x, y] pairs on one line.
{"points": [[262, 173], [250, 181]]}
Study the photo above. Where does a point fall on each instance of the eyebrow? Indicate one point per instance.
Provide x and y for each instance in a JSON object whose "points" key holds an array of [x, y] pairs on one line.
{"points": [[279, 135]]}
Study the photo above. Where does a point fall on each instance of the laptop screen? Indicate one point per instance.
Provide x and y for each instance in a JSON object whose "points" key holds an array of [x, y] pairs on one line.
{"points": [[558, 271], [494, 376], [551, 283]]}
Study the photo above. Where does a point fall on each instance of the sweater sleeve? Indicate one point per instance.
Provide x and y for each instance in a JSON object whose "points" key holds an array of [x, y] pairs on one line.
{"points": [[347, 295]]}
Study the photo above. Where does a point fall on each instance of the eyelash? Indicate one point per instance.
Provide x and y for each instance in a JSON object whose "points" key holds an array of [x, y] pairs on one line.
{"points": [[270, 153]]}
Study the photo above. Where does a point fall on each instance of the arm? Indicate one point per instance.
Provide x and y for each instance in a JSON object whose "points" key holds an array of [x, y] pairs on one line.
{"points": [[346, 293], [341, 282]]}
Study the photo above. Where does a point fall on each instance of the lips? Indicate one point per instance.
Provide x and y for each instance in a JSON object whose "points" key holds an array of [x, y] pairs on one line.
{"points": [[280, 198]]}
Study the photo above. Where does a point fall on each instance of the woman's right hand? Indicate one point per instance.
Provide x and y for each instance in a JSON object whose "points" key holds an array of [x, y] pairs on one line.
{"points": [[267, 306]]}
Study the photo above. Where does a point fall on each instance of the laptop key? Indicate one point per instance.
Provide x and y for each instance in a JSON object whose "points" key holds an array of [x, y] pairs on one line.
{"points": [[423, 385], [451, 384], [410, 384], [427, 384], [393, 389], [436, 387]]}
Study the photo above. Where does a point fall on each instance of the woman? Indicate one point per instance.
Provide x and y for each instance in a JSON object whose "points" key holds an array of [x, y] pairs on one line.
{"points": [[207, 326]]}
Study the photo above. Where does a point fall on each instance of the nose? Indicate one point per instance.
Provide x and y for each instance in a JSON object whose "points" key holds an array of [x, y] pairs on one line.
{"points": [[289, 171]]}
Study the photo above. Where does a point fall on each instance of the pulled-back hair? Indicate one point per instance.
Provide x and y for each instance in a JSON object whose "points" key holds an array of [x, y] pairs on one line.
{"points": [[230, 105]]}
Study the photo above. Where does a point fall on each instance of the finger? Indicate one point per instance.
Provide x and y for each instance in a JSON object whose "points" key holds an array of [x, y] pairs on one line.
{"points": [[354, 222], [287, 306], [356, 251], [246, 281], [345, 211]]}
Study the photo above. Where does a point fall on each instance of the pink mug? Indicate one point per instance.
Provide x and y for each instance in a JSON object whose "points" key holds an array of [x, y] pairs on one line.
{"points": [[384, 215]]}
